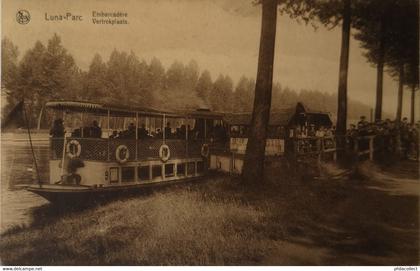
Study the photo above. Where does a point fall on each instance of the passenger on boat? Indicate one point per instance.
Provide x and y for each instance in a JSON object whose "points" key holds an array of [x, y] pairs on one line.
{"points": [[181, 132], [168, 130], [142, 132], [95, 130], [131, 131], [58, 128], [158, 133], [114, 134]]}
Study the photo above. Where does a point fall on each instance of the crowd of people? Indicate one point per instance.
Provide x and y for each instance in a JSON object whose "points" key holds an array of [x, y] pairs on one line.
{"points": [[58, 130], [95, 131], [389, 135], [144, 133], [215, 133]]}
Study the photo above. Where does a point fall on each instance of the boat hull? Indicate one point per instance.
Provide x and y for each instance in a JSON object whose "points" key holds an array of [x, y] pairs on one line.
{"points": [[79, 195]]}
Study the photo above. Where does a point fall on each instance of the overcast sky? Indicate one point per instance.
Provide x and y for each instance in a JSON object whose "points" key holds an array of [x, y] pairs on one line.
{"points": [[221, 35]]}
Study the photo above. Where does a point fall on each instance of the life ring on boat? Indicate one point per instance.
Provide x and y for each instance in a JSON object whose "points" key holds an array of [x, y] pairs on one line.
{"points": [[122, 150], [164, 153], [73, 148], [205, 150]]}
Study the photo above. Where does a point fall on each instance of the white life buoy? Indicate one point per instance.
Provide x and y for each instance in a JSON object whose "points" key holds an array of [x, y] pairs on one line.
{"points": [[73, 148], [122, 150], [164, 153], [205, 150]]}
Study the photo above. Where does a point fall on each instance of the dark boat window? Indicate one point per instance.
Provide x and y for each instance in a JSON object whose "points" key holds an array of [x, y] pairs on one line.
{"points": [[169, 170], [157, 171], [180, 169], [127, 174], [200, 167], [143, 173], [114, 175], [191, 168]]}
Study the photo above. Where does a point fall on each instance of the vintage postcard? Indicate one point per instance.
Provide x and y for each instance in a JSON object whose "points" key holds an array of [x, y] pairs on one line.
{"points": [[210, 132]]}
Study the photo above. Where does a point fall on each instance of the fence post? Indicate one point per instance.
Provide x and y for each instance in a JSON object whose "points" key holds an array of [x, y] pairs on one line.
{"points": [[371, 149], [320, 143]]}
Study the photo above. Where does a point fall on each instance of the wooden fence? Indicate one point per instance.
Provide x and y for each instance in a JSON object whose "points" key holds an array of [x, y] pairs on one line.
{"points": [[362, 146]]}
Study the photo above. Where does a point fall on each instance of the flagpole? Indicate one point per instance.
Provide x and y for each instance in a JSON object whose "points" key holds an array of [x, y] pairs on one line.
{"points": [[30, 143]]}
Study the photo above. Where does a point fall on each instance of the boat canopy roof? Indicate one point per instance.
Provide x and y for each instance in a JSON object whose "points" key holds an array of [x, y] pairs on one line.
{"points": [[205, 114], [103, 109], [282, 117], [128, 111]]}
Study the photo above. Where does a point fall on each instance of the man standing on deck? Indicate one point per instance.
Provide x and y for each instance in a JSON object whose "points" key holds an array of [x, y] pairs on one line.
{"points": [[96, 131], [56, 132]]}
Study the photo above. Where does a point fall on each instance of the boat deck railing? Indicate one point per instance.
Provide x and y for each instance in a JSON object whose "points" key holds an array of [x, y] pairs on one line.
{"points": [[102, 149]]}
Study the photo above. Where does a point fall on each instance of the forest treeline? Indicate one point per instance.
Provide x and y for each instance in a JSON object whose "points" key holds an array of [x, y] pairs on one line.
{"points": [[47, 72]]}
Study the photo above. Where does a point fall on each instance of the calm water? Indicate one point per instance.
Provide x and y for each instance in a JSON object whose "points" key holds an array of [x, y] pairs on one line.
{"points": [[17, 204]]}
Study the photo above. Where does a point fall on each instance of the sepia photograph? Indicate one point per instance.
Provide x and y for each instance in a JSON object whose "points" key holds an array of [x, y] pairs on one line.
{"points": [[210, 133]]}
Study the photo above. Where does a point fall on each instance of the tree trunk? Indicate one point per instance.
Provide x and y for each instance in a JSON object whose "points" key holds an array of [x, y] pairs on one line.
{"points": [[253, 168], [380, 74], [413, 98], [399, 112], [379, 90], [342, 81], [400, 94]]}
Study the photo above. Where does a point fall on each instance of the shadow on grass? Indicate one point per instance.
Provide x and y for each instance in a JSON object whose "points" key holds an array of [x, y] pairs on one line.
{"points": [[51, 212]]}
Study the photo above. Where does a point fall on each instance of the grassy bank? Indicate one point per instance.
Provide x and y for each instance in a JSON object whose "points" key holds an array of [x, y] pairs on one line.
{"points": [[218, 222]]}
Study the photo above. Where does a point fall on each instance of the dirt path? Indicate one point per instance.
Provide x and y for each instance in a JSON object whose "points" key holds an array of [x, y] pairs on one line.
{"points": [[373, 220], [401, 179]]}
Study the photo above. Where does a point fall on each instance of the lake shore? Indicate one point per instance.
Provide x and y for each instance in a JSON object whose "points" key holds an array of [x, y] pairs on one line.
{"points": [[356, 221]]}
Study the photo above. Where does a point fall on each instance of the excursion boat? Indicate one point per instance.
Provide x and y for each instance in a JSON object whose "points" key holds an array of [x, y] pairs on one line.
{"points": [[99, 150]]}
